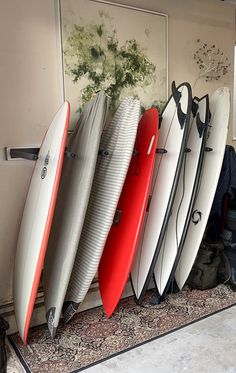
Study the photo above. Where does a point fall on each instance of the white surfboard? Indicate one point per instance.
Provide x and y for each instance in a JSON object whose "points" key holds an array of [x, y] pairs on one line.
{"points": [[185, 194], [37, 218], [217, 135], [172, 137], [117, 143], [76, 182]]}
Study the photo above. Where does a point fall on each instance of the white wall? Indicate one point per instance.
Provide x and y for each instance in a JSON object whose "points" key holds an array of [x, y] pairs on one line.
{"points": [[30, 94], [31, 89]]}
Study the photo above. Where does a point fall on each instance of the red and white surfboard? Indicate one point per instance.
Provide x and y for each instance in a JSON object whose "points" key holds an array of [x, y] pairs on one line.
{"points": [[123, 237], [37, 219]]}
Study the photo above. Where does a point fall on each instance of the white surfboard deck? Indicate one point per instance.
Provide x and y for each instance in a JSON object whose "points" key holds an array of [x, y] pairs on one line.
{"points": [[167, 168], [183, 197], [118, 140], [220, 109], [73, 196], [37, 218]]}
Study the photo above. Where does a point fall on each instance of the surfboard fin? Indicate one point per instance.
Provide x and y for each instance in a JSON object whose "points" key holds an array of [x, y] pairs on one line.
{"points": [[195, 102], [50, 321], [69, 309], [159, 121], [175, 93], [181, 116], [161, 151], [201, 127], [117, 217], [171, 286], [103, 153], [155, 299], [70, 154], [148, 203]]}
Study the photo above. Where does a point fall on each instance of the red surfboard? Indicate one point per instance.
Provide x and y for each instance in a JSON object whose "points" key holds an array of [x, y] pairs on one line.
{"points": [[119, 251]]}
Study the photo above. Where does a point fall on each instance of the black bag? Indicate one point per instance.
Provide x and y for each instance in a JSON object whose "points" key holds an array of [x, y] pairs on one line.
{"points": [[210, 268], [229, 239], [3, 357]]}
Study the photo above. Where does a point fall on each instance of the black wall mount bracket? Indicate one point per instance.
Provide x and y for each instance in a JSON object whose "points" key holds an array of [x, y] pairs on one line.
{"points": [[21, 152]]}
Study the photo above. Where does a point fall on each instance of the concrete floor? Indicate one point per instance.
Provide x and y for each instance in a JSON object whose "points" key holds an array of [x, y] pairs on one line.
{"points": [[204, 347]]}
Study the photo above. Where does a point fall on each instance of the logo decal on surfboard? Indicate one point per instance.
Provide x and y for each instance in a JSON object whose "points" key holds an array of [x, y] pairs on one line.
{"points": [[196, 216], [46, 162], [44, 173]]}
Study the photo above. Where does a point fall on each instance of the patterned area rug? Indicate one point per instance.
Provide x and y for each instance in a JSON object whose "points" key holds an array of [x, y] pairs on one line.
{"points": [[90, 337]]}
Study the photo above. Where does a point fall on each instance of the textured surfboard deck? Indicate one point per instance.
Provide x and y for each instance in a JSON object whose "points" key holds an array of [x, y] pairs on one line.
{"points": [[123, 237], [37, 219], [217, 136], [172, 139], [185, 194], [117, 144], [76, 182]]}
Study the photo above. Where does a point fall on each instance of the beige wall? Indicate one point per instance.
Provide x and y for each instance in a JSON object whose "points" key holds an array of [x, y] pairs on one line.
{"points": [[30, 93], [31, 88], [212, 21]]}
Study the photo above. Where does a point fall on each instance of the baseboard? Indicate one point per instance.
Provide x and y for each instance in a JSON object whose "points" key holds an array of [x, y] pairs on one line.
{"points": [[92, 299]]}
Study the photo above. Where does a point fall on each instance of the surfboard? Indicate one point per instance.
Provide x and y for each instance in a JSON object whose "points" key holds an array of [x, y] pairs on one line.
{"points": [[184, 198], [119, 251], [171, 144], [217, 136], [116, 149], [37, 218], [76, 182]]}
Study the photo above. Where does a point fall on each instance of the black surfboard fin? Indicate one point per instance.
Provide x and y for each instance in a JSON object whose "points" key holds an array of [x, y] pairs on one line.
{"points": [[209, 116], [195, 102], [181, 116], [70, 154], [148, 203], [208, 112], [175, 93], [208, 149], [117, 217], [201, 127], [161, 151], [69, 309], [103, 152], [171, 287], [155, 299], [159, 121]]}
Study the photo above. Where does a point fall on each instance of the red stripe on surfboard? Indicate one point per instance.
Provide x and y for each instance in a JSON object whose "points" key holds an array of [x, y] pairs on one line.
{"points": [[46, 233], [120, 247]]}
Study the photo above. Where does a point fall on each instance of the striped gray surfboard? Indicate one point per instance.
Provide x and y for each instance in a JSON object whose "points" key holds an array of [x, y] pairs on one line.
{"points": [[116, 149]]}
